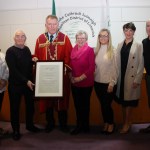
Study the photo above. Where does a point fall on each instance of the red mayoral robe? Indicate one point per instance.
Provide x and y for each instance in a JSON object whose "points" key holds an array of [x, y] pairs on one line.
{"points": [[59, 49]]}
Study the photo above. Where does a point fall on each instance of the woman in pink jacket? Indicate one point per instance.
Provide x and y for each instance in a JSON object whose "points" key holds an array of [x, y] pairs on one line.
{"points": [[82, 78]]}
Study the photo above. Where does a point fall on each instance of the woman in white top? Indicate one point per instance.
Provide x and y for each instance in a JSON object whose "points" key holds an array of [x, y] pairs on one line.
{"points": [[105, 78], [3, 81]]}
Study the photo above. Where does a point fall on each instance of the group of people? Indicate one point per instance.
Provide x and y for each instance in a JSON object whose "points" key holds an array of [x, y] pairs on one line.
{"points": [[115, 74]]}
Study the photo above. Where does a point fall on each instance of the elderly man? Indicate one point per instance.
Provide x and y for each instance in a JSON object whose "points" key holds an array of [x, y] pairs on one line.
{"points": [[19, 61]]}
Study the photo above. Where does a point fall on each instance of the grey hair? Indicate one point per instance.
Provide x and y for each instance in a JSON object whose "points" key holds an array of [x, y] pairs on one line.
{"points": [[19, 30], [80, 32]]}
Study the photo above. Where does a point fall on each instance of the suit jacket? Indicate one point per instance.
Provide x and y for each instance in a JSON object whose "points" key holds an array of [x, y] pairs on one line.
{"points": [[134, 71]]}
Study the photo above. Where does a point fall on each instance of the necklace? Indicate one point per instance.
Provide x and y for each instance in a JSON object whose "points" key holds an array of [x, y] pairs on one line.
{"points": [[52, 48], [54, 55]]}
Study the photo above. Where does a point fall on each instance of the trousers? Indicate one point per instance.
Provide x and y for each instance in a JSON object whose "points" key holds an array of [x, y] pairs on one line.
{"points": [[15, 95]]}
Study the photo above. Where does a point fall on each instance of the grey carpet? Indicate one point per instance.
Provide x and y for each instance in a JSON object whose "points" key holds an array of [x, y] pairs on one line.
{"points": [[56, 140]]}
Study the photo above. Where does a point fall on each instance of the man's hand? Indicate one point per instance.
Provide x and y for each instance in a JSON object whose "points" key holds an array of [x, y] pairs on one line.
{"points": [[34, 59], [30, 85]]}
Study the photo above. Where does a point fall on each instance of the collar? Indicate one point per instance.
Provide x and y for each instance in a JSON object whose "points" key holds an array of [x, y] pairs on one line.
{"points": [[53, 35]]}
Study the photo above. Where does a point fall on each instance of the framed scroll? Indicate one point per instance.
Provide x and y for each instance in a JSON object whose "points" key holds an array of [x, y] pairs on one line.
{"points": [[49, 79]]}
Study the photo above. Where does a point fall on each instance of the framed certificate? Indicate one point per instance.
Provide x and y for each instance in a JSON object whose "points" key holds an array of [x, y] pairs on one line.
{"points": [[49, 79]]}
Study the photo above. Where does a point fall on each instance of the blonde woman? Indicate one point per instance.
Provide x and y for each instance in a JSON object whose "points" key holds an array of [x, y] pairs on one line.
{"points": [[105, 78]]}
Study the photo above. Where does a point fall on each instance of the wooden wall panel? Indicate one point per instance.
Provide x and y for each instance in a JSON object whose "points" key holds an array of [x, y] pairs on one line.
{"points": [[141, 114]]}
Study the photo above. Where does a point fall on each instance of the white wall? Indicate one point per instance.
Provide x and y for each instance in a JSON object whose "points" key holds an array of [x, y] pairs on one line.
{"points": [[29, 15], [120, 16]]}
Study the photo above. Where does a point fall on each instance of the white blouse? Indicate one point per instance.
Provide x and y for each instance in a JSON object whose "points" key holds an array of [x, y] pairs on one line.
{"points": [[106, 69], [4, 73]]}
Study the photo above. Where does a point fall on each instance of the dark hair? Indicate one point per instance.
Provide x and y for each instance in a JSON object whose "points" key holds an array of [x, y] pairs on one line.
{"points": [[129, 25]]}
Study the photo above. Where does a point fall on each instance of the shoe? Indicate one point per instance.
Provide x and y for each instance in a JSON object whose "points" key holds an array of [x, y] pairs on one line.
{"points": [[110, 129], [125, 129], [48, 128], [86, 130], [16, 136], [65, 129], [1, 131], [76, 131], [145, 130], [4, 132], [104, 130], [33, 129]]}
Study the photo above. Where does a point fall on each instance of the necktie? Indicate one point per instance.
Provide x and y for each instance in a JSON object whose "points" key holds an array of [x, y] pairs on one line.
{"points": [[51, 38]]}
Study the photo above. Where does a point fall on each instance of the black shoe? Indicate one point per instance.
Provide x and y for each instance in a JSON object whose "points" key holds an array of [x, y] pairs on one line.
{"points": [[103, 132], [76, 131], [16, 136], [33, 129], [65, 129], [109, 132], [145, 130], [86, 130], [4, 132], [48, 129]]}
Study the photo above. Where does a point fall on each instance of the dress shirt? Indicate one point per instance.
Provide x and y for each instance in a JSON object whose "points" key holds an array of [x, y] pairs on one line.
{"points": [[54, 36]]}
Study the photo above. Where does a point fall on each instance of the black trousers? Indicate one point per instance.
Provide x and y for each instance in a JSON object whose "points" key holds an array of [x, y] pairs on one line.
{"points": [[105, 99], [62, 118], [15, 94], [81, 97], [147, 78], [1, 99]]}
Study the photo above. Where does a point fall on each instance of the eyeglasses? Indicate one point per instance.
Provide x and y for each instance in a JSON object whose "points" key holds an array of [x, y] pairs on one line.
{"points": [[103, 36]]}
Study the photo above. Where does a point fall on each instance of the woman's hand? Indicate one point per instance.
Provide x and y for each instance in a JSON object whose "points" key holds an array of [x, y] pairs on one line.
{"points": [[110, 89], [135, 85], [2, 83], [76, 79]]}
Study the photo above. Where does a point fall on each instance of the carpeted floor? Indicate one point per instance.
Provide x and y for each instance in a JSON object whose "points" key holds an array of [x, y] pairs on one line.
{"points": [[56, 140]]}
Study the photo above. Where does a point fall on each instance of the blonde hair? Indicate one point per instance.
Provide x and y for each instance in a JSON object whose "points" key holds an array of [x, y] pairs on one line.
{"points": [[109, 48]]}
